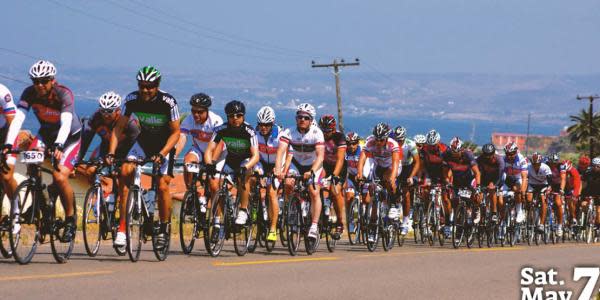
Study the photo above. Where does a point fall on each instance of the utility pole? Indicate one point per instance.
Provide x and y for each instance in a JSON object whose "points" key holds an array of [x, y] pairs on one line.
{"points": [[527, 137], [591, 124], [336, 72]]}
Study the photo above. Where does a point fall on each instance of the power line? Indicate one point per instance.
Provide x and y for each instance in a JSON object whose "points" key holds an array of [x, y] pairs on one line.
{"points": [[154, 35], [14, 79], [228, 36]]}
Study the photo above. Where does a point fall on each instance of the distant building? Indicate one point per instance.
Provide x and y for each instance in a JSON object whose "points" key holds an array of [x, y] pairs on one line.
{"points": [[536, 142]]}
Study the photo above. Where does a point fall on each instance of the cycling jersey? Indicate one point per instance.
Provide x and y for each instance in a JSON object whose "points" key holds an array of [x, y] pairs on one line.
{"points": [[461, 167], [335, 142], [513, 169], [555, 178], [267, 147], [433, 161], [592, 180], [573, 183], [303, 145], [201, 133], [96, 125], [238, 142], [491, 169], [382, 156], [154, 117], [409, 149], [8, 105], [352, 160], [539, 177], [48, 111]]}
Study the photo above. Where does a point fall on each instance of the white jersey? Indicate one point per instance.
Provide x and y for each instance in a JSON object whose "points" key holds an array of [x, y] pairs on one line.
{"points": [[267, 147], [513, 169], [201, 133], [539, 177], [8, 105], [304, 145], [381, 155], [409, 149]]}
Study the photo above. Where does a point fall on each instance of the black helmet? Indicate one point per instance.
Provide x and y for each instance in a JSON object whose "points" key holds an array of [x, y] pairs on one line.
{"points": [[200, 100], [235, 107], [488, 149], [381, 131]]}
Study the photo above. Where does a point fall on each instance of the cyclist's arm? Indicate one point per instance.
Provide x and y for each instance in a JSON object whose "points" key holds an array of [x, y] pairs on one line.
{"points": [[339, 161], [524, 182], [117, 132], [173, 138], [563, 180], [288, 162], [417, 165], [395, 165], [576, 183], [208, 154], [66, 118], [15, 125], [180, 144], [254, 157], [281, 151], [361, 163], [87, 136], [318, 163], [475, 170]]}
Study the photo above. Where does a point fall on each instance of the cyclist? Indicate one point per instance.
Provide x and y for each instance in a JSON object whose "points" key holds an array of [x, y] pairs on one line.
{"points": [[269, 135], [9, 183], [558, 184], [239, 139], [335, 167], [491, 166], [411, 165], [200, 126], [515, 176], [381, 158], [352, 157], [539, 178], [54, 107], [583, 164], [306, 143], [461, 171], [432, 154], [570, 183], [158, 116], [101, 123], [591, 190]]}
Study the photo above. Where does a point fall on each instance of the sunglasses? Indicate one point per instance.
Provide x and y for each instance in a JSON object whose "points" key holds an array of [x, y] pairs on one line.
{"points": [[107, 111], [381, 140], [235, 116], [40, 80], [304, 118], [265, 124], [199, 111], [352, 143], [142, 86]]}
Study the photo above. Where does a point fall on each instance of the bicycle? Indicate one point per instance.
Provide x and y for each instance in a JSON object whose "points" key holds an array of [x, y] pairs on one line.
{"points": [[486, 227], [509, 227], [140, 222], [328, 221], [192, 213], [33, 216], [377, 224], [587, 219], [259, 212], [215, 233], [99, 218], [533, 235], [462, 228], [419, 218], [354, 219], [298, 218], [5, 208], [435, 216]]}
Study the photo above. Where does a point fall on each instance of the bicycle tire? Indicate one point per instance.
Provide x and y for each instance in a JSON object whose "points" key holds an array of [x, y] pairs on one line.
{"points": [[30, 228], [91, 241], [353, 221], [294, 226], [134, 225], [5, 250], [430, 227], [281, 225], [61, 250], [458, 226], [188, 222], [162, 253], [214, 247], [372, 229]]}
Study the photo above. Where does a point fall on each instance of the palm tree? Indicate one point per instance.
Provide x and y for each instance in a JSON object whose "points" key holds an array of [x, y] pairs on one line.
{"points": [[580, 132]]}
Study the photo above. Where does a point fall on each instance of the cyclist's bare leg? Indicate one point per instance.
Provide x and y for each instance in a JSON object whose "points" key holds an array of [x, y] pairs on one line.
{"points": [[9, 183], [340, 204], [164, 199], [559, 208], [125, 181], [61, 179], [273, 207], [315, 205]]}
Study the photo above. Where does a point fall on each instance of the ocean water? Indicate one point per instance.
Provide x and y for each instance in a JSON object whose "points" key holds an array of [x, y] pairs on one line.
{"points": [[477, 131]]}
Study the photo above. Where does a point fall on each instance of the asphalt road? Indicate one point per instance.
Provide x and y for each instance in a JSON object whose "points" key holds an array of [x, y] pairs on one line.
{"points": [[351, 272]]}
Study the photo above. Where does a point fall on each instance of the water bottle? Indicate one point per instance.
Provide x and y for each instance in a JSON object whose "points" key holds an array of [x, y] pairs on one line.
{"points": [[304, 208], [264, 211], [327, 206], [110, 201], [280, 200], [202, 204], [150, 199]]}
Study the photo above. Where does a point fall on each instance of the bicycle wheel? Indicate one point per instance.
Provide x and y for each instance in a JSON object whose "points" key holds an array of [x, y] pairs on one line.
{"points": [[61, 249], [353, 221], [430, 226], [310, 245], [372, 227], [389, 232], [25, 223], [134, 222], [214, 234], [530, 226], [282, 224], [589, 228], [242, 238], [418, 220], [458, 228], [330, 229], [294, 225], [93, 217], [4, 226], [188, 222], [161, 252]]}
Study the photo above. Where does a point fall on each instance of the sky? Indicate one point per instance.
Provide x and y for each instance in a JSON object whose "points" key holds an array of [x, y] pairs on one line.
{"points": [[389, 36]]}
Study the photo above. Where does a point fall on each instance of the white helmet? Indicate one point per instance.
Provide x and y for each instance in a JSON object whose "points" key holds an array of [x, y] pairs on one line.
{"points": [[265, 115], [308, 109], [420, 139], [433, 137], [41, 69], [110, 100], [596, 161]]}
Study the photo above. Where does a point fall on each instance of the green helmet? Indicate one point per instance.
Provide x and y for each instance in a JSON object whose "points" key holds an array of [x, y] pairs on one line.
{"points": [[148, 73]]}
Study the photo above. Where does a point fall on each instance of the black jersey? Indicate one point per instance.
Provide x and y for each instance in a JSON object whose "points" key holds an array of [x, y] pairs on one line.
{"points": [[238, 141]]}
